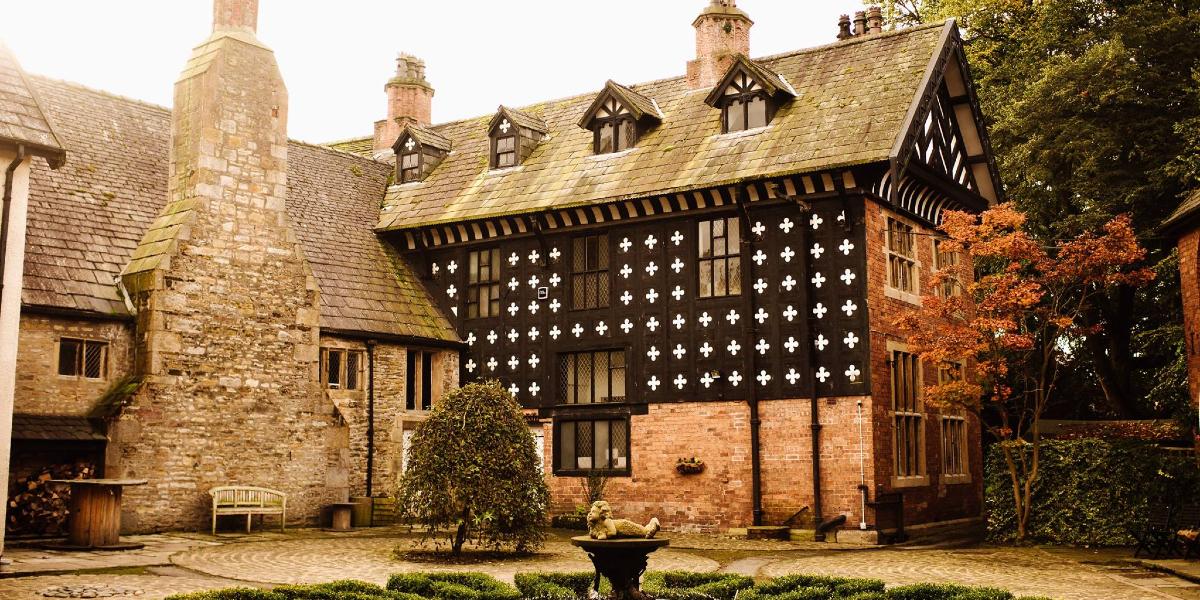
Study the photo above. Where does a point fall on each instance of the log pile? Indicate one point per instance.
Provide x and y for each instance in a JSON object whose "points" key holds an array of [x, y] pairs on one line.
{"points": [[37, 507]]}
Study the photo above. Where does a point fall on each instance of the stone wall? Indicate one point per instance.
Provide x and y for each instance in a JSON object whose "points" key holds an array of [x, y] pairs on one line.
{"points": [[41, 390], [937, 498]]}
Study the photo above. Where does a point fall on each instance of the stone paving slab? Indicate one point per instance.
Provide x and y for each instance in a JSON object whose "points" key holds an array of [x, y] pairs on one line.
{"points": [[158, 550]]}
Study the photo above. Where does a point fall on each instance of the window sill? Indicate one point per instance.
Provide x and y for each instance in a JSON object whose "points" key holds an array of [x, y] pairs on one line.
{"points": [[910, 482], [587, 472], [956, 479], [902, 295]]}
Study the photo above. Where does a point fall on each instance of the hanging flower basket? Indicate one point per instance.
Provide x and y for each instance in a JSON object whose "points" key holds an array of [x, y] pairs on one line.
{"points": [[689, 466]]}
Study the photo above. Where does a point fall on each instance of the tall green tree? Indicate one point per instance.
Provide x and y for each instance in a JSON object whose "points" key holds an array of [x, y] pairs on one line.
{"points": [[1093, 109]]}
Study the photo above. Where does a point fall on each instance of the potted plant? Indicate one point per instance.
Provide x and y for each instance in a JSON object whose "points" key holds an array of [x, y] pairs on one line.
{"points": [[689, 466]]}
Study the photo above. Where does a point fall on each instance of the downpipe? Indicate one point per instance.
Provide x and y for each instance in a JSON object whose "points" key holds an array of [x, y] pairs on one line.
{"points": [[9, 175], [862, 469]]}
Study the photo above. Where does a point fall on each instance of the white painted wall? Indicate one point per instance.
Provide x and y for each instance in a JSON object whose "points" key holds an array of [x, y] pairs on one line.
{"points": [[10, 311]]}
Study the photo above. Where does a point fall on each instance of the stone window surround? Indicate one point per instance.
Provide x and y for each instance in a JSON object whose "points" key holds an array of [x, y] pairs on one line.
{"points": [[83, 343], [955, 286], [965, 475], [625, 470], [916, 480], [345, 351], [913, 297]]}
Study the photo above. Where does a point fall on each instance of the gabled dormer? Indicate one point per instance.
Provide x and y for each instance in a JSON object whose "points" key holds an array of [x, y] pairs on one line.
{"points": [[618, 117], [749, 95], [514, 135], [418, 151]]}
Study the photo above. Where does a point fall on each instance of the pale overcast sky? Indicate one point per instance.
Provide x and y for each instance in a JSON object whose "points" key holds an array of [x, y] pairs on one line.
{"points": [[336, 55]]}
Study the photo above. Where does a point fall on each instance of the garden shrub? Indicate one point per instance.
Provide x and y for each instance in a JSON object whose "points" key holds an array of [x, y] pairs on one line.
{"points": [[946, 591], [832, 587], [473, 473], [345, 589], [229, 594], [685, 585], [554, 586], [452, 586], [1089, 492]]}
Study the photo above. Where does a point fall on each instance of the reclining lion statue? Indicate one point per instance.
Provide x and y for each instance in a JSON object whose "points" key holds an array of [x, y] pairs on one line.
{"points": [[601, 525]]}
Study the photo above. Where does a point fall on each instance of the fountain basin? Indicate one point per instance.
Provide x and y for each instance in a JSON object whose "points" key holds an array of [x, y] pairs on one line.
{"points": [[622, 561]]}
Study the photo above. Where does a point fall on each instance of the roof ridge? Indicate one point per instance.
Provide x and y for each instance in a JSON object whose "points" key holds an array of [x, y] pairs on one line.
{"points": [[337, 152], [98, 91], [860, 39]]}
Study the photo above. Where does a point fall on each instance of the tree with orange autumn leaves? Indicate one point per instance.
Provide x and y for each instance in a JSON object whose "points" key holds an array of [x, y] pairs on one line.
{"points": [[1016, 307]]}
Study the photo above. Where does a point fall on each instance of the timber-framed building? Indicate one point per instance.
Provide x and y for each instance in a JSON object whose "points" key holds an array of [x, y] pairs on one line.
{"points": [[704, 266]]}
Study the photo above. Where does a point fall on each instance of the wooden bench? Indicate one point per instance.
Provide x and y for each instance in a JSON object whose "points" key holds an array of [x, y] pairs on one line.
{"points": [[249, 501]]}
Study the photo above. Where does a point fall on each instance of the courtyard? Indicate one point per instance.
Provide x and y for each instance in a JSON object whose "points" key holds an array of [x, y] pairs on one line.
{"points": [[186, 562]]}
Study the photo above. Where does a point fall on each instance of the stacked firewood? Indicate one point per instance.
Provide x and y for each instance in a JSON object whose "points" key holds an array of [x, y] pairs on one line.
{"points": [[38, 507]]}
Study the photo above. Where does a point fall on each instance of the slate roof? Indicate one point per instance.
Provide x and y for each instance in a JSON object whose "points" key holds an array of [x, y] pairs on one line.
{"points": [[86, 219], [426, 137], [56, 428], [852, 98], [1183, 214], [22, 120]]}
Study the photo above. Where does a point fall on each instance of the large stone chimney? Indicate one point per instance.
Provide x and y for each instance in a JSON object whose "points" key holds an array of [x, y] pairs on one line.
{"points": [[722, 31], [227, 307], [410, 100]]}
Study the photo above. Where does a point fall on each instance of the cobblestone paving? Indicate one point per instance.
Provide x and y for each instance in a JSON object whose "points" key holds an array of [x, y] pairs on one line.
{"points": [[158, 550], [370, 559], [154, 587], [1024, 571]]}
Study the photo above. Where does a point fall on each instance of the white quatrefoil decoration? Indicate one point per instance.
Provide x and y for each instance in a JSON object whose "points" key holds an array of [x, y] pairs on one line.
{"points": [[533, 334], [471, 365], [533, 307], [680, 381], [451, 291], [554, 253], [513, 362], [788, 254], [626, 326], [760, 286], [555, 305], [513, 259], [534, 281], [705, 319], [786, 225], [735, 378], [492, 363], [762, 346], [452, 267], [848, 277], [789, 282], [514, 389], [677, 238], [626, 298], [471, 339], [653, 353], [651, 241], [577, 330], [816, 251], [733, 347], [513, 284], [410, 144], [759, 229], [555, 280], [763, 377], [555, 332], [732, 317], [792, 376], [791, 344], [677, 266], [653, 382], [823, 374], [707, 380], [534, 388], [652, 324], [677, 293], [850, 340], [819, 310], [679, 351], [534, 256], [818, 280], [790, 313], [651, 268], [505, 126], [761, 316], [625, 245], [816, 221], [759, 257], [852, 373], [513, 309], [513, 336], [846, 247], [706, 349], [651, 296], [601, 328], [492, 337], [821, 342], [679, 321], [849, 307], [626, 271], [534, 360], [434, 268]]}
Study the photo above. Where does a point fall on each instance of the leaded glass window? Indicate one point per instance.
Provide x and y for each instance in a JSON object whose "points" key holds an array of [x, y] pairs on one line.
{"points": [[719, 263], [589, 272]]}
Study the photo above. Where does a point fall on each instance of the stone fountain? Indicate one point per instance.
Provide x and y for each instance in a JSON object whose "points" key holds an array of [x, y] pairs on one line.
{"points": [[619, 550]]}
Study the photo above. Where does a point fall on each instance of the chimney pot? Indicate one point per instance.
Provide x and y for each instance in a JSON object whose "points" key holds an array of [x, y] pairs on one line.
{"points": [[410, 100], [844, 27], [860, 23], [875, 19], [235, 15], [722, 31]]}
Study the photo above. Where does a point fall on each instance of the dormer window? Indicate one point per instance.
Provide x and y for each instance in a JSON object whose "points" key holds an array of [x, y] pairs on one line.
{"points": [[618, 117], [418, 152], [748, 96], [514, 135]]}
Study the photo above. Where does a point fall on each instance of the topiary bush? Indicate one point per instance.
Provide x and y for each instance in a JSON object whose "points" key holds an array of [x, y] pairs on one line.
{"points": [[452, 586], [342, 590], [685, 585], [946, 591], [805, 587], [473, 472], [229, 594], [554, 586], [1089, 492]]}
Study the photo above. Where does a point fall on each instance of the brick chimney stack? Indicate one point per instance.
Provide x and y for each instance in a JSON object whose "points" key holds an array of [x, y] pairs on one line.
{"points": [[722, 30], [235, 15], [410, 100]]}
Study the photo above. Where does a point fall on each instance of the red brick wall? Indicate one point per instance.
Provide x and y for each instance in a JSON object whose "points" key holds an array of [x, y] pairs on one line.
{"points": [[935, 500], [715, 48], [1189, 280]]}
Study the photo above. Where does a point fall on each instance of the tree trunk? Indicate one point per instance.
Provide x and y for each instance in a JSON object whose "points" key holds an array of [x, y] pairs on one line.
{"points": [[460, 537], [1110, 350]]}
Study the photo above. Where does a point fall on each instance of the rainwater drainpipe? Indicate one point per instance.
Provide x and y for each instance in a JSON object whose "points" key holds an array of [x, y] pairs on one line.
{"points": [[9, 174], [370, 417], [862, 469], [752, 396]]}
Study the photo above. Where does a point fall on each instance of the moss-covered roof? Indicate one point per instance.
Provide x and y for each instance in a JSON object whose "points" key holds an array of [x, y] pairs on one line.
{"points": [[22, 119], [851, 101]]}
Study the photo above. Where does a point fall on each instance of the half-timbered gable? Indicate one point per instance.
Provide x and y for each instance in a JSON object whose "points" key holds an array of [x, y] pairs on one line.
{"points": [[748, 95], [418, 151], [617, 116], [514, 135]]}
